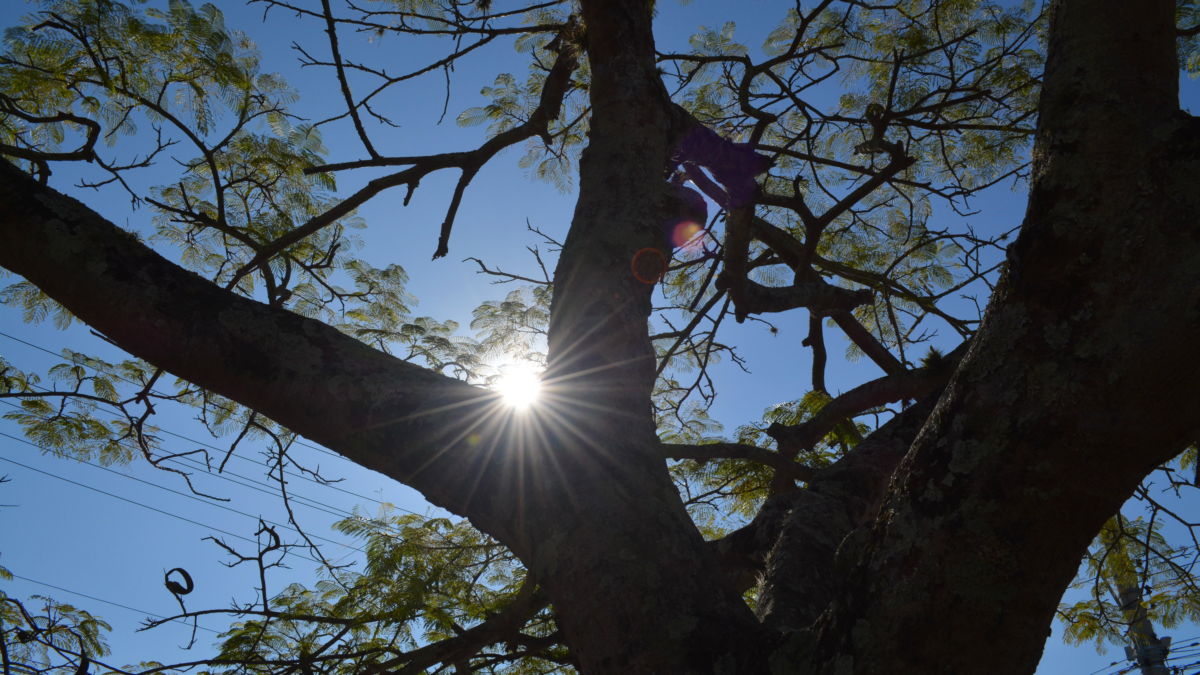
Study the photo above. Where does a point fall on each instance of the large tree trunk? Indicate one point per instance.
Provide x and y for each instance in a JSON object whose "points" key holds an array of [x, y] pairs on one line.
{"points": [[1080, 381], [634, 588]]}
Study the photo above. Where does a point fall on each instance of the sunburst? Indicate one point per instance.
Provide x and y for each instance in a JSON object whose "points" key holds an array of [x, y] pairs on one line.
{"points": [[519, 385]]}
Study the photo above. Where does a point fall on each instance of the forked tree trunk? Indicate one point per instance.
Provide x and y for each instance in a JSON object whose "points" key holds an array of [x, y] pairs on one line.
{"points": [[1081, 380]]}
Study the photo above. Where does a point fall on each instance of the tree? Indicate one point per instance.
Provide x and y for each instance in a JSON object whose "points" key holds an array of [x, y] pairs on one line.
{"points": [[997, 466]]}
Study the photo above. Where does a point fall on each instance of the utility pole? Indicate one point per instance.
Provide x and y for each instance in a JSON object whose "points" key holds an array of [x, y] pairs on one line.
{"points": [[1148, 650]]}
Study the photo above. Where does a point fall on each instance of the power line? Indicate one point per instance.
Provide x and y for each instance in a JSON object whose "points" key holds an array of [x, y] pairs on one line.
{"points": [[126, 379], [209, 445], [190, 496], [266, 488], [292, 474], [107, 602], [302, 476], [214, 447], [300, 499], [145, 506]]}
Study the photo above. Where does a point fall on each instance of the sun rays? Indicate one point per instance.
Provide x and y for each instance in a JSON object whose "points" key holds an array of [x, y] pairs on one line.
{"points": [[519, 385]]}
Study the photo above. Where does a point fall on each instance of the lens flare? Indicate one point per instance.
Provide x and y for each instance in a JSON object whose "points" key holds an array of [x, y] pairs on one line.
{"points": [[519, 386], [686, 235], [648, 265]]}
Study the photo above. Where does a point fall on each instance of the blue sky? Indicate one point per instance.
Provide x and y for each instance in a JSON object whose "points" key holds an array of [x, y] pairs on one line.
{"points": [[115, 548]]}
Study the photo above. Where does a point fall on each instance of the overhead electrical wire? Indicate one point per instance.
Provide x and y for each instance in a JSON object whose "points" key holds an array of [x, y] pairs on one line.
{"points": [[266, 488], [137, 503], [191, 496], [251, 483], [214, 447], [109, 602], [126, 379]]}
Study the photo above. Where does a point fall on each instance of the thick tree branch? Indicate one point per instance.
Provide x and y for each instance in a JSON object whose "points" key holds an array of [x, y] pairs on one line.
{"points": [[791, 543], [801, 572], [385, 414], [816, 342], [909, 384], [600, 350], [815, 295], [867, 342], [1090, 310], [734, 276], [85, 151]]}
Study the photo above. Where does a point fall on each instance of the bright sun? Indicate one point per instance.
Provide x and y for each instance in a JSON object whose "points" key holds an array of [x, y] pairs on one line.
{"points": [[519, 385]]}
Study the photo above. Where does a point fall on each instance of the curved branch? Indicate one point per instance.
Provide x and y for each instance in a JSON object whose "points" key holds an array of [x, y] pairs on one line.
{"points": [[504, 625], [86, 150]]}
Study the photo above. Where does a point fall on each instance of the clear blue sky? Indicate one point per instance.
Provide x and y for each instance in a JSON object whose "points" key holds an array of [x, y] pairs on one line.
{"points": [[115, 547]]}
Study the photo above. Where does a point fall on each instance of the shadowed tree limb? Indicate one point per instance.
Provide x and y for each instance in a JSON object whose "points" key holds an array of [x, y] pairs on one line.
{"points": [[1090, 310], [85, 151], [816, 295], [802, 570], [501, 626], [795, 255], [383, 413], [909, 384], [784, 467], [791, 543]]}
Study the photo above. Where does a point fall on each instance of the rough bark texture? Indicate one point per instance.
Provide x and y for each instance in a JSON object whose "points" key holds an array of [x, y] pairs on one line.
{"points": [[1080, 381], [800, 575], [634, 587]]}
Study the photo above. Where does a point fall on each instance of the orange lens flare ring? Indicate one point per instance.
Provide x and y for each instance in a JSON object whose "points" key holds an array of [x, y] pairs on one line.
{"points": [[648, 265]]}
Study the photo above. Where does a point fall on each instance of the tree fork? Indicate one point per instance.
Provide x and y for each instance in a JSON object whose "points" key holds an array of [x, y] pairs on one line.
{"points": [[1079, 382]]}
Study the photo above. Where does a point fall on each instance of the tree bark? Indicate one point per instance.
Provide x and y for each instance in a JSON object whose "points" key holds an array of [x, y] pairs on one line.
{"points": [[800, 573], [634, 587], [1080, 381], [390, 416]]}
